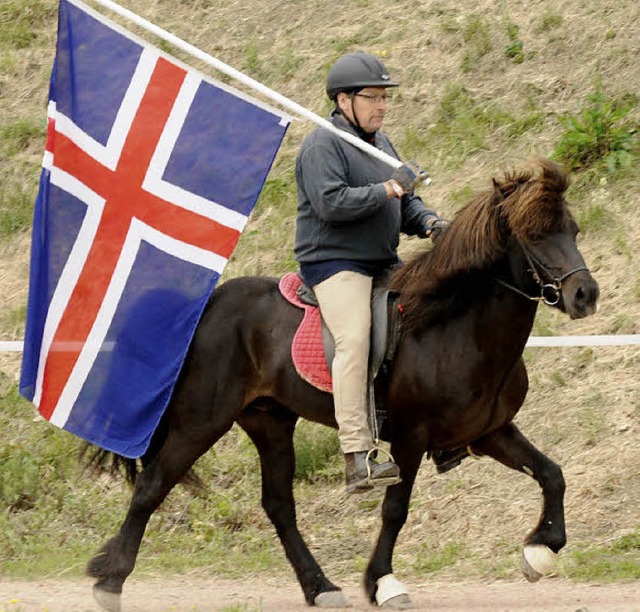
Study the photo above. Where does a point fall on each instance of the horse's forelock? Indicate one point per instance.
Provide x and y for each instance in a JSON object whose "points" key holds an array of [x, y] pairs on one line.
{"points": [[535, 204]]}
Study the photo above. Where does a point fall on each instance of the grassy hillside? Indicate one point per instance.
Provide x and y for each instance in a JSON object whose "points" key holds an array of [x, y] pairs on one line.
{"points": [[485, 85]]}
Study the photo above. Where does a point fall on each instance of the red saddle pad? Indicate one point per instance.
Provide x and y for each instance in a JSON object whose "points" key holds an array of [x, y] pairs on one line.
{"points": [[307, 350]]}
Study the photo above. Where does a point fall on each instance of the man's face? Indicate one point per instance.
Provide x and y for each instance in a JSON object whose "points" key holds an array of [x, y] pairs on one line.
{"points": [[369, 106]]}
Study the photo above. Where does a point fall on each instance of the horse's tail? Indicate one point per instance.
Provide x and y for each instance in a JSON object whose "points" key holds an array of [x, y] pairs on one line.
{"points": [[100, 461]]}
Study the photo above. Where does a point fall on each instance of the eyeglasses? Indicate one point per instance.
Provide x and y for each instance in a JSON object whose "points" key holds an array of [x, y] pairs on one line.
{"points": [[375, 99]]}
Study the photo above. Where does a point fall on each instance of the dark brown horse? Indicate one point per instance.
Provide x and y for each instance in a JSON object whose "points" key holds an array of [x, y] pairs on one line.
{"points": [[457, 380]]}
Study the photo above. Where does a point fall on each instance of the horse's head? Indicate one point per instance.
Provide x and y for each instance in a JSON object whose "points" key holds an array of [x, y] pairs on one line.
{"points": [[545, 260], [522, 222]]}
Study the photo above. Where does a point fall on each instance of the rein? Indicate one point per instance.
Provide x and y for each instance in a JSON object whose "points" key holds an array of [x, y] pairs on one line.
{"points": [[550, 292]]}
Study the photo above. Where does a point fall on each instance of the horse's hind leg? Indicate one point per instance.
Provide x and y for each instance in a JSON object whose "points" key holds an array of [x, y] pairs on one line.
{"points": [[116, 559], [508, 446], [270, 427], [184, 444]]}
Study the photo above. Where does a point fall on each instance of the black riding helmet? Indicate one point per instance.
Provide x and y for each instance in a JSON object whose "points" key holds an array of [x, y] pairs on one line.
{"points": [[355, 71]]}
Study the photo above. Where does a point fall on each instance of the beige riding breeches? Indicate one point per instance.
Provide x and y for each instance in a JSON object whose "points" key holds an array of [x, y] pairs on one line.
{"points": [[345, 304]]}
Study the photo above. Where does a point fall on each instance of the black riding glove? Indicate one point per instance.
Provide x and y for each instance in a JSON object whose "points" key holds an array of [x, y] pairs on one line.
{"points": [[436, 227], [408, 176]]}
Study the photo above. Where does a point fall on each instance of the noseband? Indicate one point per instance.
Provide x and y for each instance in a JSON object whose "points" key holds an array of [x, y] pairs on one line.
{"points": [[550, 292]]}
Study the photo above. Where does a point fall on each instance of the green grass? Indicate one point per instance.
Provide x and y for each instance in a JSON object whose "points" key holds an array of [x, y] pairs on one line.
{"points": [[18, 135], [545, 323], [266, 245], [21, 21], [602, 134], [429, 561], [252, 60], [531, 117], [54, 516], [465, 125], [613, 561], [18, 139], [514, 50], [623, 324], [352, 42], [41, 490], [558, 379], [623, 247], [317, 449], [550, 20], [16, 208], [591, 422], [12, 321], [288, 64], [413, 143], [461, 196], [477, 37], [593, 218], [552, 436]]}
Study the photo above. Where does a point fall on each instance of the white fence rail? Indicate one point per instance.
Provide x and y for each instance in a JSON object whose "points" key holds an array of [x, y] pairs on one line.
{"points": [[534, 341], [613, 340]]}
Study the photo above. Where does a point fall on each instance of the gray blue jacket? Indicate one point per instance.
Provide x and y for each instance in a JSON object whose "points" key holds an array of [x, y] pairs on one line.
{"points": [[343, 209]]}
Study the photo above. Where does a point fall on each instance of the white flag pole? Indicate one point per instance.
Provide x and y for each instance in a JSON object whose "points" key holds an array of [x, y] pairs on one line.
{"points": [[294, 107]]}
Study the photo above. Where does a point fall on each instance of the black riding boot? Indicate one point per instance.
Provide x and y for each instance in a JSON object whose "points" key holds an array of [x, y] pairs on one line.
{"points": [[363, 472]]}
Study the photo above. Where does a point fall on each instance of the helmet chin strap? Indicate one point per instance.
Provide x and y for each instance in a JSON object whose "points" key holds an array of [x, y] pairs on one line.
{"points": [[366, 136]]}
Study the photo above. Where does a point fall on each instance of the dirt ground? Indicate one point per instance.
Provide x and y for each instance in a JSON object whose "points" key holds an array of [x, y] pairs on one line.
{"points": [[199, 593]]}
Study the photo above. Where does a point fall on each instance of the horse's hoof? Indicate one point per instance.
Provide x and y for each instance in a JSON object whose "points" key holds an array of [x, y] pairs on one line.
{"points": [[392, 594], [106, 600], [537, 561], [331, 599], [399, 602]]}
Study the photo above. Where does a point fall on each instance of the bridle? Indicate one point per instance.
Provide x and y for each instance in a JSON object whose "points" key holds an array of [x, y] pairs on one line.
{"points": [[550, 292]]}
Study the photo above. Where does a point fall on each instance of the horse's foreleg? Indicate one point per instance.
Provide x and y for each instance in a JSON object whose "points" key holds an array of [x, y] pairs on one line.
{"points": [[508, 446], [271, 431], [395, 509]]}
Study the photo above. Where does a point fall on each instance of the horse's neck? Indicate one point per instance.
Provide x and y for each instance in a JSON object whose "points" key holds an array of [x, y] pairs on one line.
{"points": [[512, 312], [499, 319], [506, 308]]}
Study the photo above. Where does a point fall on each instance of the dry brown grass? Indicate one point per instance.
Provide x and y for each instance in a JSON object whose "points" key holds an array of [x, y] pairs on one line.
{"points": [[584, 405]]}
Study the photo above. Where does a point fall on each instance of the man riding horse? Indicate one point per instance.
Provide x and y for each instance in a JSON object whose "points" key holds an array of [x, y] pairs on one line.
{"points": [[351, 210]]}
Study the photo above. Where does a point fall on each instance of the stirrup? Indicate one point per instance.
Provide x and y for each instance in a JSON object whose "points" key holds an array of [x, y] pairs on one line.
{"points": [[387, 481]]}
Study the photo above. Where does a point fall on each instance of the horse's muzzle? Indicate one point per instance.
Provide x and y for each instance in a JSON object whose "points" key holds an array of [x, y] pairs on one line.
{"points": [[580, 295]]}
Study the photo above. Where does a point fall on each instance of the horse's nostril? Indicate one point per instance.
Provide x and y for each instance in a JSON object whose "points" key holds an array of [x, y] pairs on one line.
{"points": [[592, 292], [585, 299]]}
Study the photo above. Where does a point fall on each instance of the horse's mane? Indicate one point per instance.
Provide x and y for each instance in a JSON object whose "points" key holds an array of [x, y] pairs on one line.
{"points": [[527, 204]]}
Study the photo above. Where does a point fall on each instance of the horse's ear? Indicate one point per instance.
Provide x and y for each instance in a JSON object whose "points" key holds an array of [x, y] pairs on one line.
{"points": [[498, 195]]}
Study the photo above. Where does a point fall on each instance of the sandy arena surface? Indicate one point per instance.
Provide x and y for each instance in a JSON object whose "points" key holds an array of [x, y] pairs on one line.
{"points": [[253, 594]]}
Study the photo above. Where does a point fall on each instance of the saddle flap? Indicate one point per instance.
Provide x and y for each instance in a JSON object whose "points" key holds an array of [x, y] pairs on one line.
{"points": [[384, 326]]}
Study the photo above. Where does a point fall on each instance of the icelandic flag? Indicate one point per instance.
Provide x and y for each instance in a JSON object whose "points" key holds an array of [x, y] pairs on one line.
{"points": [[149, 174]]}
